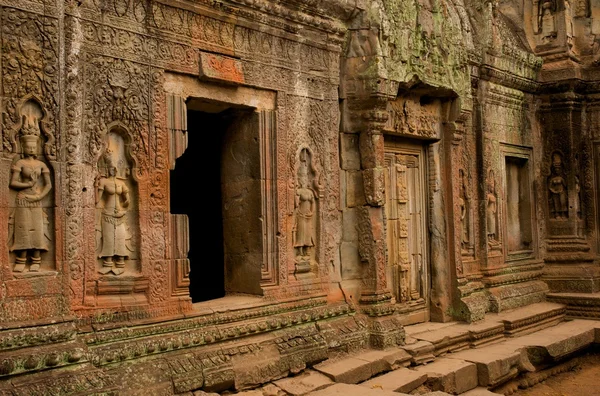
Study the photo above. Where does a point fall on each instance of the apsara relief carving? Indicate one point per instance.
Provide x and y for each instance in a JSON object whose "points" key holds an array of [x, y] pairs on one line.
{"points": [[557, 188], [304, 232], [30, 178], [113, 204]]}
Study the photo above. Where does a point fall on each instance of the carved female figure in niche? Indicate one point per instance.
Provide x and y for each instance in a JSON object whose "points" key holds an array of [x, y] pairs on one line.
{"points": [[545, 19], [492, 211], [305, 204], [31, 178], [464, 203], [557, 186], [305, 207], [569, 22], [112, 196]]}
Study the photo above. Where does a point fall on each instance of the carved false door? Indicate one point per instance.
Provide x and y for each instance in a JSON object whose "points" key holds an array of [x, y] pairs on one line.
{"points": [[407, 263]]}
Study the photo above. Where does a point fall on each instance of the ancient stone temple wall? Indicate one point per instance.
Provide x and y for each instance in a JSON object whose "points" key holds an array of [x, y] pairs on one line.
{"points": [[217, 194]]}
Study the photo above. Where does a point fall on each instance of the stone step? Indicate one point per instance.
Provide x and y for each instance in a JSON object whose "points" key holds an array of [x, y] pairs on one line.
{"points": [[453, 337], [496, 363], [400, 380], [421, 352], [531, 318], [450, 375], [558, 342], [445, 337], [364, 365], [353, 390], [578, 305]]}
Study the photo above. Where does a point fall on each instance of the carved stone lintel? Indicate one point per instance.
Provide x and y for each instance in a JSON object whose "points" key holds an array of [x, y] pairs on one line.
{"points": [[222, 69]]}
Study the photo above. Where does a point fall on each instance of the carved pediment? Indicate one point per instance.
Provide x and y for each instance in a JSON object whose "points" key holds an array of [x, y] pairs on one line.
{"points": [[407, 116]]}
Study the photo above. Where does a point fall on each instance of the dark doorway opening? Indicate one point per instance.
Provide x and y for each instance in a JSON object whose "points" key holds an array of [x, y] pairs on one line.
{"points": [[196, 191]]}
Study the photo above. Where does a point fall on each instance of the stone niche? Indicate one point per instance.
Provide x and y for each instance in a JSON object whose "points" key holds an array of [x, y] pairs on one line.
{"points": [[118, 270]]}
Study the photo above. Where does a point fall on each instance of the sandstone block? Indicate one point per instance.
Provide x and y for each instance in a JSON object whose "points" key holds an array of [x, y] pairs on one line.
{"points": [[400, 380], [352, 390], [305, 382], [450, 375], [496, 364]]}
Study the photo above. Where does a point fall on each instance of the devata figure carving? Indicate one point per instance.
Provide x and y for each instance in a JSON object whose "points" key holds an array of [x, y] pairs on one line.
{"points": [[492, 211], [465, 207], [545, 19], [30, 177], [112, 196], [557, 186], [305, 203]]}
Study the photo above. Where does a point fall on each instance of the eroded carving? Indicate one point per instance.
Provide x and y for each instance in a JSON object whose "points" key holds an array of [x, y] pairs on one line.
{"points": [[557, 186], [464, 200], [30, 178], [113, 203], [545, 21], [492, 211], [305, 208]]}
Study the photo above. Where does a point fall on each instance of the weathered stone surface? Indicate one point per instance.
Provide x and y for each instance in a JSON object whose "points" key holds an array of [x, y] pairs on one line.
{"points": [[450, 375], [304, 383], [557, 342], [479, 391], [420, 351], [497, 363], [401, 380], [348, 389], [220, 196]]}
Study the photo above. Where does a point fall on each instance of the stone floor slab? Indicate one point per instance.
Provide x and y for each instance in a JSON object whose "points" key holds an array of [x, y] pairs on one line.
{"points": [[400, 380], [450, 375], [480, 391], [349, 370], [353, 390], [303, 383], [364, 365]]}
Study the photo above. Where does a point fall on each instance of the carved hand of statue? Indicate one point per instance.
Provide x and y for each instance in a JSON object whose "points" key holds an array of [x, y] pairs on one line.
{"points": [[33, 197], [120, 213]]}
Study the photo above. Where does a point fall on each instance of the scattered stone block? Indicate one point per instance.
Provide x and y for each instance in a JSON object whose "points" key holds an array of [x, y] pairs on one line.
{"points": [[557, 342], [450, 375], [480, 391], [349, 370], [303, 383], [364, 365], [421, 352], [496, 363], [400, 380], [353, 390]]}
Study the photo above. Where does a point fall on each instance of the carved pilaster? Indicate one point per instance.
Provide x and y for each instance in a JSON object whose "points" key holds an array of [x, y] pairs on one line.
{"points": [[177, 126], [569, 258]]}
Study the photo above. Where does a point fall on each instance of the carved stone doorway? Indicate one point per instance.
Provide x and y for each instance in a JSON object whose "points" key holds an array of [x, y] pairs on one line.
{"points": [[407, 268], [196, 192]]}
